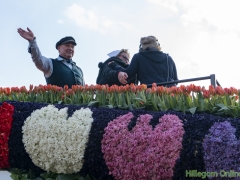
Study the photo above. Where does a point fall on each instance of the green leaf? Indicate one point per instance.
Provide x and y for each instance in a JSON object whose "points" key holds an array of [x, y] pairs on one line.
{"points": [[122, 107], [176, 109], [17, 174], [144, 108], [93, 104], [60, 102], [139, 99], [87, 178], [92, 177], [68, 100], [14, 176], [24, 177], [193, 110], [130, 107], [14, 97], [110, 106], [47, 175], [233, 111], [14, 171], [31, 174], [68, 177], [81, 178], [222, 106]]}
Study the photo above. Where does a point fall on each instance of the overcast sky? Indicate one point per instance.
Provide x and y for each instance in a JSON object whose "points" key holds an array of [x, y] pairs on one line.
{"points": [[202, 36]]}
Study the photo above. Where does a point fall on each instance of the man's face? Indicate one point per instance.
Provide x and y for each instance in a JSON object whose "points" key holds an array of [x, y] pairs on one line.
{"points": [[66, 50], [124, 57]]}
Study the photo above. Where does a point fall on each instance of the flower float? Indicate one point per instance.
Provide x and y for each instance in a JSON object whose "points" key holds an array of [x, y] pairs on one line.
{"points": [[180, 134]]}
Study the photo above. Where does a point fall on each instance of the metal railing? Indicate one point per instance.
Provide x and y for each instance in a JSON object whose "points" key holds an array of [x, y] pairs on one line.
{"points": [[212, 78]]}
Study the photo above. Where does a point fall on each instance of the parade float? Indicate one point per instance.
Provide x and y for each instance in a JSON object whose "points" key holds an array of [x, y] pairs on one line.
{"points": [[120, 132]]}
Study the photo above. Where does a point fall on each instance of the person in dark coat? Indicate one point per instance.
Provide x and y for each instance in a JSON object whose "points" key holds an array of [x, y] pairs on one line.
{"points": [[109, 76], [151, 65]]}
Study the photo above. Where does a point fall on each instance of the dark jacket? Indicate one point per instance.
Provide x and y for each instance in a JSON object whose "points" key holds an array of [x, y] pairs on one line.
{"points": [[107, 75], [151, 66], [63, 75]]}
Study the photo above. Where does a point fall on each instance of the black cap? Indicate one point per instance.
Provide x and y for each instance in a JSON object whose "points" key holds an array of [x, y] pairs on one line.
{"points": [[67, 39]]}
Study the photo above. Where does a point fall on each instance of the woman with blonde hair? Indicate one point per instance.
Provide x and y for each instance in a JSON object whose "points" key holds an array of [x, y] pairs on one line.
{"points": [[109, 76]]}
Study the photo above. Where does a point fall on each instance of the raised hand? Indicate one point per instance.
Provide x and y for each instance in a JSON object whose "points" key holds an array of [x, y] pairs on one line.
{"points": [[28, 35]]}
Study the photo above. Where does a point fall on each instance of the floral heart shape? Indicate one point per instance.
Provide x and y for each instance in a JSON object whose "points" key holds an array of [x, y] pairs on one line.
{"points": [[221, 149], [55, 143], [144, 152]]}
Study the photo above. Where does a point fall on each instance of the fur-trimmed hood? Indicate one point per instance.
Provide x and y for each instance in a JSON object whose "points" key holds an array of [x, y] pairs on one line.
{"points": [[116, 59]]}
